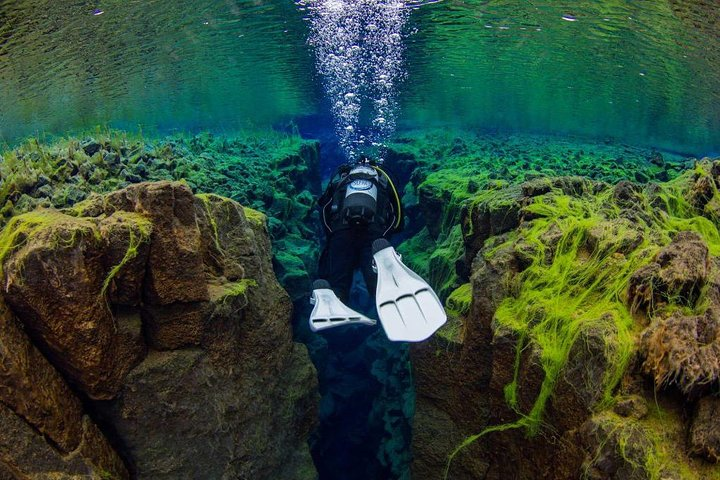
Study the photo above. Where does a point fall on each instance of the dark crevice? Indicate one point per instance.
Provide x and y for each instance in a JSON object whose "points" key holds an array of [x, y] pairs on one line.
{"points": [[365, 383]]}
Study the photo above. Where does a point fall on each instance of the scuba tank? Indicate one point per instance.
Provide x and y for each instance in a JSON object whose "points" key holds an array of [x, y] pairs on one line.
{"points": [[361, 194], [360, 203]]}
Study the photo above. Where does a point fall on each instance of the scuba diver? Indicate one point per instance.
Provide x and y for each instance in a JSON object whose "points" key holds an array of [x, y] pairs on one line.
{"points": [[360, 209]]}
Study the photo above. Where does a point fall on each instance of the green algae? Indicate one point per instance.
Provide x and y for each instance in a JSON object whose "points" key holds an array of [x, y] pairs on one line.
{"points": [[416, 252], [20, 229], [273, 175], [144, 228], [460, 170], [458, 303], [462, 157], [256, 218], [457, 307], [577, 291], [66, 232], [442, 262], [577, 249], [236, 289], [206, 199], [60, 171], [647, 445]]}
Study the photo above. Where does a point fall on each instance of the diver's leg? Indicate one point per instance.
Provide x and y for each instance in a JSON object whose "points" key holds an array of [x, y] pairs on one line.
{"points": [[337, 263], [365, 258], [331, 291]]}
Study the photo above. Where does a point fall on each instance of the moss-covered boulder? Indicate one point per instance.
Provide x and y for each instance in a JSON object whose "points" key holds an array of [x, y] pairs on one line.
{"points": [[591, 292], [55, 278], [163, 309]]}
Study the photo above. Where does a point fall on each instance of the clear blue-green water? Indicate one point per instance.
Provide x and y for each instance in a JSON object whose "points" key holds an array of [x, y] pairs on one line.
{"points": [[646, 72]]}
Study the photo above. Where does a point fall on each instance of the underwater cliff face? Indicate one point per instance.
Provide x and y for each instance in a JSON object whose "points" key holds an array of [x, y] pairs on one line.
{"points": [[584, 343], [162, 312]]}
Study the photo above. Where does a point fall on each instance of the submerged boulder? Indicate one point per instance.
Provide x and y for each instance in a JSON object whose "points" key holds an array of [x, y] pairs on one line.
{"points": [[161, 308], [45, 431], [704, 437], [55, 279], [678, 274], [580, 292], [175, 272]]}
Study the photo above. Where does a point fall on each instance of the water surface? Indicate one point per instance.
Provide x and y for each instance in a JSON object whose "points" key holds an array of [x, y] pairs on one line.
{"points": [[644, 72]]}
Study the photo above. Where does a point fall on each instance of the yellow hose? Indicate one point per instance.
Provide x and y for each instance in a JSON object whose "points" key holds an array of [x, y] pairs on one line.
{"points": [[397, 197]]}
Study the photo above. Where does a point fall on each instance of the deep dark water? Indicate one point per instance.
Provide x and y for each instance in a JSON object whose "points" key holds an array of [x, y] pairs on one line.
{"points": [[367, 404]]}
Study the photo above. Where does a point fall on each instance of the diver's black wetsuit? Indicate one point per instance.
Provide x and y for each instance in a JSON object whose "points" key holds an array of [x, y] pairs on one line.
{"points": [[350, 234]]}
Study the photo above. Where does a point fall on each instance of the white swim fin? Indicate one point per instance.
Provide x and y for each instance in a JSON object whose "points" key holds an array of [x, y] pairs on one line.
{"points": [[330, 312], [409, 309]]}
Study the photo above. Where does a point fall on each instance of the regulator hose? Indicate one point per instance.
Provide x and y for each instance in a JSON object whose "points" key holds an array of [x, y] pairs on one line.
{"points": [[397, 197]]}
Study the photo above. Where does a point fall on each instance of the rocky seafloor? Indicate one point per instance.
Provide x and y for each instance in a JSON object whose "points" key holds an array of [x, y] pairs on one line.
{"points": [[145, 334]]}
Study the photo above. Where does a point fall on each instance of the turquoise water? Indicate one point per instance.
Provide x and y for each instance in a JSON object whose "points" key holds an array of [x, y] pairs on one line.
{"points": [[647, 73]]}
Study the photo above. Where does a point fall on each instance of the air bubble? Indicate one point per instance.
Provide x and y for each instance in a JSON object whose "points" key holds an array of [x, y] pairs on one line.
{"points": [[358, 48]]}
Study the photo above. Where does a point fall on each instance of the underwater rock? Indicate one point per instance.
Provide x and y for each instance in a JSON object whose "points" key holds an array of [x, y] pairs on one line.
{"points": [[587, 291], [627, 194], [656, 158], [632, 406], [678, 274], [450, 369], [618, 235], [433, 201], [179, 325], [702, 191], [293, 274], [222, 389], [704, 437], [683, 350], [112, 159], [619, 447], [28, 455], [496, 212], [276, 173], [91, 147], [55, 278], [37, 404], [38, 394], [175, 272]]}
